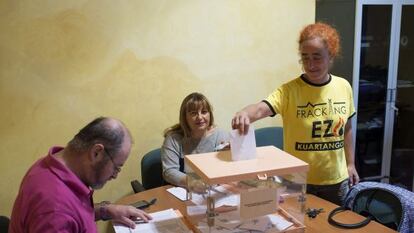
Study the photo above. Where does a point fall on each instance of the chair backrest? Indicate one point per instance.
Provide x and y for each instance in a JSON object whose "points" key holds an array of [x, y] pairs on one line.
{"points": [[4, 224], [269, 136], [387, 204], [151, 169]]}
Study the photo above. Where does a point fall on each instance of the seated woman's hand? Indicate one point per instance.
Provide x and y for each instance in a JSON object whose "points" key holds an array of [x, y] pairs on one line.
{"points": [[198, 186]]}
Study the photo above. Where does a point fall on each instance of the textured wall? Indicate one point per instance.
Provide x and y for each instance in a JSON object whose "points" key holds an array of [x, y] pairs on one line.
{"points": [[63, 63]]}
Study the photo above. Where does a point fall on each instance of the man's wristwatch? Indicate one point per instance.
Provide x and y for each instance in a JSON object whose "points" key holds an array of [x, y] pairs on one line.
{"points": [[103, 211]]}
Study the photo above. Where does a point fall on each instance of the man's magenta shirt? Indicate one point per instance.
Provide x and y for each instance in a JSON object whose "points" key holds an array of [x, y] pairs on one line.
{"points": [[52, 199]]}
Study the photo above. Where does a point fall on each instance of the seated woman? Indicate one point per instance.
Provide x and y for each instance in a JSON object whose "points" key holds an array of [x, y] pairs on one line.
{"points": [[195, 133]]}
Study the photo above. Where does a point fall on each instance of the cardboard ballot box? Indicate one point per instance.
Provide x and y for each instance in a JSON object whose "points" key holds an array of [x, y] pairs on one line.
{"points": [[264, 194]]}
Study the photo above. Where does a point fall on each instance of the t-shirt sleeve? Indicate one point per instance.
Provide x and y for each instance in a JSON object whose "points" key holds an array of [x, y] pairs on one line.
{"points": [[352, 111], [276, 100]]}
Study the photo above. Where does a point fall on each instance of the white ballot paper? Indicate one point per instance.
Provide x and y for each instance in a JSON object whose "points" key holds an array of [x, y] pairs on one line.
{"points": [[166, 221], [279, 223], [178, 192], [243, 146], [230, 222], [220, 194]]}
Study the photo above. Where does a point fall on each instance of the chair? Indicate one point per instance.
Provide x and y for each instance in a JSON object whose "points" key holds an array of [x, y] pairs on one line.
{"points": [[151, 172], [269, 136], [4, 224]]}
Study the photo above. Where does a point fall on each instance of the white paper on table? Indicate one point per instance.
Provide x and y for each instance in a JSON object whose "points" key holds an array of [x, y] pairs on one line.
{"points": [[199, 199], [204, 228], [229, 220], [257, 224], [178, 192], [218, 193], [279, 222], [166, 221], [221, 195], [196, 209], [201, 203], [243, 146], [231, 200]]}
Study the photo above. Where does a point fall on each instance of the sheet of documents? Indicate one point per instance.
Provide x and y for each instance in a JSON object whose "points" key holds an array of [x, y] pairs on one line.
{"points": [[279, 222], [243, 146], [166, 221], [196, 209], [230, 222], [221, 197], [178, 192], [204, 228], [220, 194], [258, 224]]}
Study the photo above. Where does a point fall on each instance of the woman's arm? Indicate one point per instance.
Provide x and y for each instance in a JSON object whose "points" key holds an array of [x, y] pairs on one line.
{"points": [[350, 155], [170, 158], [250, 114]]}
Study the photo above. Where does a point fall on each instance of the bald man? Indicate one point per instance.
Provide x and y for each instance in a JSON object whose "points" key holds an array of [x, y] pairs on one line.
{"points": [[56, 193]]}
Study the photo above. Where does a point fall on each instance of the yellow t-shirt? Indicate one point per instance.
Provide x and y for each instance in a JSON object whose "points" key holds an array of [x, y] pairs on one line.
{"points": [[314, 118]]}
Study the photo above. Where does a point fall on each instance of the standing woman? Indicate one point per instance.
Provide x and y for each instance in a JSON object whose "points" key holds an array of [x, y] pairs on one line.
{"points": [[316, 108], [195, 133]]}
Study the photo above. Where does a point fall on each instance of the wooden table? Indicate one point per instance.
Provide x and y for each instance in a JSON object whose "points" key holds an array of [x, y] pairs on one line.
{"points": [[319, 224]]}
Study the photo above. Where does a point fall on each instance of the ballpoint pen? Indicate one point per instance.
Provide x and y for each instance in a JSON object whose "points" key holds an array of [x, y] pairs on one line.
{"points": [[139, 221]]}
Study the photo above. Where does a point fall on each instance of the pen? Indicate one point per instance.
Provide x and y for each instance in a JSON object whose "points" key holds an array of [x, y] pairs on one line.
{"points": [[139, 221]]}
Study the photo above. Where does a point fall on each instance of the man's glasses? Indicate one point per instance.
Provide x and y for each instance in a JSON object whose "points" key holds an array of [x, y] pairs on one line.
{"points": [[117, 168]]}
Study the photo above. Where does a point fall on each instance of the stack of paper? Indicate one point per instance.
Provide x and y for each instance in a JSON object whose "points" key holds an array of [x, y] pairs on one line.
{"points": [[230, 222], [166, 221], [221, 195]]}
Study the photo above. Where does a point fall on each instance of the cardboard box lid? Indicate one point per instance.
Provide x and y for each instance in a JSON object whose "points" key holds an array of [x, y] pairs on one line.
{"points": [[218, 168]]}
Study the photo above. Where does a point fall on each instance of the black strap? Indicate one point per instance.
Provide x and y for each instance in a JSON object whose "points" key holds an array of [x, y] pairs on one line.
{"points": [[181, 160], [346, 225]]}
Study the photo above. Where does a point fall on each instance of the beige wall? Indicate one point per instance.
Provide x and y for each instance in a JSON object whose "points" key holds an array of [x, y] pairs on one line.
{"points": [[63, 63]]}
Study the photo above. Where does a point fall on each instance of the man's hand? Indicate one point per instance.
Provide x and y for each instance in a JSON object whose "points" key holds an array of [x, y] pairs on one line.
{"points": [[127, 215]]}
